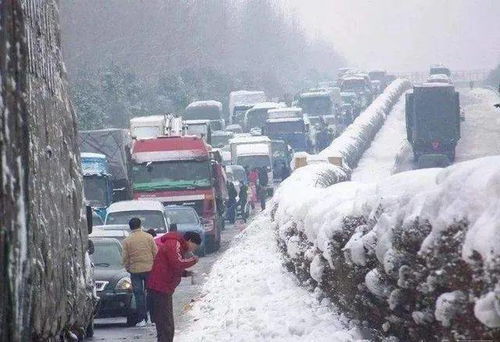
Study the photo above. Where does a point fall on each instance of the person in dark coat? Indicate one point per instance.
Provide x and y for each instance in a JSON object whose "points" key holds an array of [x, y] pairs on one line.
{"points": [[231, 202], [243, 198]]}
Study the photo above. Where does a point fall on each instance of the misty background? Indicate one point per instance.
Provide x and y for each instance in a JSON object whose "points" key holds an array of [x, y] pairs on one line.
{"points": [[129, 58]]}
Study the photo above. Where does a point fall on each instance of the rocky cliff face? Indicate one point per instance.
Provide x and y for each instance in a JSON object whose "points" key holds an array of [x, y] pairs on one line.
{"points": [[43, 285]]}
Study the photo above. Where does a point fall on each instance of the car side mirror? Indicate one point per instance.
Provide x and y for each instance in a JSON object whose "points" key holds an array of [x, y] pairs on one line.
{"points": [[90, 224], [90, 247]]}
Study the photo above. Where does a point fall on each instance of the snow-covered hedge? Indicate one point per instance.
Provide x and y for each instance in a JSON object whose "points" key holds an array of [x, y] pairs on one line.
{"points": [[358, 136], [416, 256]]}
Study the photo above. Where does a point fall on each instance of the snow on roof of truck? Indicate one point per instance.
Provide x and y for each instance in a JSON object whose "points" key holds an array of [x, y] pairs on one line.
{"points": [[147, 119], [315, 94], [92, 155], [246, 97], [438, 78], [433, 85], [286, 110], [353, 78], [135, 205], [265, 105], [252, 149], [277, 120], [249, 139], [197, 122], [207, 103], [169, 148], [222, 133]]}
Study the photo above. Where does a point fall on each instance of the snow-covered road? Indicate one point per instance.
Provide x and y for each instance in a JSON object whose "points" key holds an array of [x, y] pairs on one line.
{"points": [[251, 297], [390, 152], [377, 162]]}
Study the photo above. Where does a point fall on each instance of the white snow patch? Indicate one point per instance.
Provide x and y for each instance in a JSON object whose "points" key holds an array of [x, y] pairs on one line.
{"points": [[250, 297], [486, 309]]}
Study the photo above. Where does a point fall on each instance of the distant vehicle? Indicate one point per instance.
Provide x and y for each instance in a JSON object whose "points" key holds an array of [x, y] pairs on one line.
{"points": [[180, 170], [282, 156], [316, 103], [151, 213], [221, 138], [376, 87], [285, 112], [358, 85], [146, 127], [439, 70], [439, 78], [97, 182], [115, 145], [253, 152], [187, 220], [206, 110], [355, 106], [97, 219], [433, 119], [242, 100], [199, 128], [115, 231], [256, 116], [293, 131], [113, 284], [380, 76]]}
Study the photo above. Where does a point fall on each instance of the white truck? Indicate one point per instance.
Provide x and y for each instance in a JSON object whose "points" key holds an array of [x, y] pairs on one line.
{"points": [[242, 100], [252, 152]]}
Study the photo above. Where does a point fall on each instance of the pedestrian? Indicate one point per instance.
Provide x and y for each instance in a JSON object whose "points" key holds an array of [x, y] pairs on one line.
{"points": [[242, 200], [139, 251], [169, 266], [231, 202], [151, 232]]}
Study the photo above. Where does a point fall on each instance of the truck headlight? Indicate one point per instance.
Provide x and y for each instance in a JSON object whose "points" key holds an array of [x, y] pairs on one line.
{"points": [[124, 284]]}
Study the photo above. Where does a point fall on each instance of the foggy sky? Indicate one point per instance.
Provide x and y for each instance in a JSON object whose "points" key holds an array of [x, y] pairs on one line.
{"points": [[408, 35]]}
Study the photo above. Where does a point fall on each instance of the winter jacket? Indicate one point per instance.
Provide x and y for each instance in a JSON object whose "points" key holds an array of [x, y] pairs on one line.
{"points": [[139, 250], [169, 264], [263, 178]]}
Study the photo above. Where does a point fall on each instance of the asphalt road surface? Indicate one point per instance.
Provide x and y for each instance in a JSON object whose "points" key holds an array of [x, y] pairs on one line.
{"points": [[115, 329]]}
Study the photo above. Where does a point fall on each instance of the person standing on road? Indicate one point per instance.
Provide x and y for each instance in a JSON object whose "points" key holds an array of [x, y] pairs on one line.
{"points": [[262, 188], [169, 266], [139, 251], [242, 200], [231, 202]]}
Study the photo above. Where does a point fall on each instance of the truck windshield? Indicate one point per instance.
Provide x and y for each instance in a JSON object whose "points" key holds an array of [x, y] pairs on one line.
{"points": [[354, 85], [256, 118], [254, 161], [221, 140], [149, 219], [239, 113], [198, 130], [107, 254], [95, 190], [181, 174], [317, 105], [436, 116], [286, 127]]}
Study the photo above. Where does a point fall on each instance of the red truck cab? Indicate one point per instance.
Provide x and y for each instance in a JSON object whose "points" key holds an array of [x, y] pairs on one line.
{"points": [[180, 170]]}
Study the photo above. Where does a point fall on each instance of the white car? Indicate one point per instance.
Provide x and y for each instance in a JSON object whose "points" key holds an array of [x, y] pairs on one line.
{"points": [[151, 213]]}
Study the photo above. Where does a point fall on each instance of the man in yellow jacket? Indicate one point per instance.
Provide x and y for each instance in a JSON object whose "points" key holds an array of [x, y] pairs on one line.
{"points": [[139, 251]]}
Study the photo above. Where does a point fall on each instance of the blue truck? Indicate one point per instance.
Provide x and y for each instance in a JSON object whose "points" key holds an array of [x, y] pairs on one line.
{"points": [[293, 131], [97, 182]]}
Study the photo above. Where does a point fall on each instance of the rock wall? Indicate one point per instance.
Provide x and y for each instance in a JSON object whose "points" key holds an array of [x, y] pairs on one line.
{"points": [[44, 233]]}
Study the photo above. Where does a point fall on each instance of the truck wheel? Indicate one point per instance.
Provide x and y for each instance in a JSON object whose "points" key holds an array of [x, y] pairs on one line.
{"points": [[89, 332]]}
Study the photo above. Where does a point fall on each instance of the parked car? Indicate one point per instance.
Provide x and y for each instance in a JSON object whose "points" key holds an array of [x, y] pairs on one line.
{"points": [[113, 284], [187, 220], [115, 231], [151, 213]]}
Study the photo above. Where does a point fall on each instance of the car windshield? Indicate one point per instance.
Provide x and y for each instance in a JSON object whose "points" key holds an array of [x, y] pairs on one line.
{"points": [[149, 218], [317, 105], [94, 188], [107, 254], [182, 215], [254, 161], [176, 175], [286, 127]]}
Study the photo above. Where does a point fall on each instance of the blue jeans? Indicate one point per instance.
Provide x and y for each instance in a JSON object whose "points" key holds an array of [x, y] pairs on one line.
{"points": [[139, 288]]}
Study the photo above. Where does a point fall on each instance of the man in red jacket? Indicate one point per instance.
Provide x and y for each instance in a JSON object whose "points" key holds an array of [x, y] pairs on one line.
{"points": [[168, 267]]}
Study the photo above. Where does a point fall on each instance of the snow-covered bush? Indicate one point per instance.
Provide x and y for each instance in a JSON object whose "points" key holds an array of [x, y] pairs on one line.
{"points": [[416, 256]]}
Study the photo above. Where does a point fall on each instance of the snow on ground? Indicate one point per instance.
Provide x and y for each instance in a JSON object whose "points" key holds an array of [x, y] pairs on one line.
{"points": [[251, 297], [481, 128], [377, 162]]}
